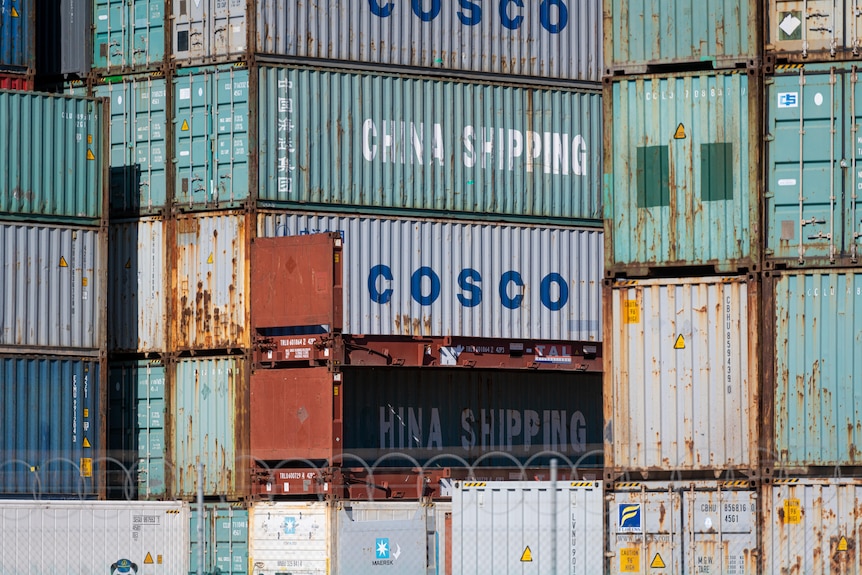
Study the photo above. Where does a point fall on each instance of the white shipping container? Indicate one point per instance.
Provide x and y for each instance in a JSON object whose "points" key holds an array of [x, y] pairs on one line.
{"points": [[505, 527], [290, 537], [83, 538]]}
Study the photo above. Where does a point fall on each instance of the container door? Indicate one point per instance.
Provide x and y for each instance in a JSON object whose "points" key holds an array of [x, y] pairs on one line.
{"points": [[148, 32], [645, 529], [193, 129], [227, 33], [365, 546], [721, 532], [151, 430], [807, 25], [190, 17], [853, 143]]}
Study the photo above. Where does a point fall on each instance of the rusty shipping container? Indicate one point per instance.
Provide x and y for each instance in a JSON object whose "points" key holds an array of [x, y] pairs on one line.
{"points": [[400, 417], [209, 291], [681, 172], [813, 322], [813, 30], [423, 277], [681, 391], [22, 82]]}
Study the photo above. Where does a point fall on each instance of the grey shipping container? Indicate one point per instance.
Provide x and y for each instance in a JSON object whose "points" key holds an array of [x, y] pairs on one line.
{"points": [[207, 31], [63, 39], [552, 39], [53, 280], [435, 277], [814, 30], [440, 147]]}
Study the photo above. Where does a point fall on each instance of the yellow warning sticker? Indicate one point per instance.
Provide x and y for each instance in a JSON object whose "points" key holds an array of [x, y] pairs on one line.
{"points": [[185, 126], [86, 412], [86, 467], [792, 511], [679, 343], [842, 544], [87, 442], [632, 311], [63, 263], [89, 138], [84, 282], [129, 264], [159, 559], [210, 259], [527, 555], [14, 12], [657, 562], [148, 560], [680, 133], [630, 559], [90, 155]]}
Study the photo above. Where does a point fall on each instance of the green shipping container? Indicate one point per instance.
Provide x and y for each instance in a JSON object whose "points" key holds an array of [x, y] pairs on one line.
{"points": [[681, 174], [128, 34], [225, 540], [814, 176]]}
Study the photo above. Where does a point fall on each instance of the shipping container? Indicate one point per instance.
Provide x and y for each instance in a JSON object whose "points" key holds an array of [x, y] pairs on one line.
{"points": [[814, 30], [136, 429], [52, 157], [224, 532], [681, 173], [53, 280], [686, 527], [552, 40], [82, 538], [210, 30], [23, 82], [681, 392], [406, 417], [438, 147], [18, 35], [642, 37], [208, 399], [209, 281], [211, 143], [811, 526], [423, 277], [64, 40], [505, 527], [137, 286], [128, 35], [813, 323], [295, 537], [52, 414], [813, 201], [139, 137]]}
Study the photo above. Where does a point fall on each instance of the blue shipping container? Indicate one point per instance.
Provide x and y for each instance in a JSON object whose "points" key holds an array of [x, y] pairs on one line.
{"points": [[17, 35], [225, 540]]}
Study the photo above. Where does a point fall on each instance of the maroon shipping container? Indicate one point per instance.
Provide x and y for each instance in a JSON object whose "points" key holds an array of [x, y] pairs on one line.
{"points": [[22, 82]]}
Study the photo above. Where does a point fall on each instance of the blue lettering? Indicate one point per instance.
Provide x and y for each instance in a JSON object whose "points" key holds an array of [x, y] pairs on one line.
{"points": [[385, 273], [475, 291], [546, 292], [510, 23], [416, 286], [505, 280], [426, 16], [475, 16], [545, 16], [381, 11]]}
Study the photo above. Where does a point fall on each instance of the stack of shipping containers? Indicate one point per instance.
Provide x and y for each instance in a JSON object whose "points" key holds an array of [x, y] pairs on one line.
{"points": [[681, 295], [812, 287]]}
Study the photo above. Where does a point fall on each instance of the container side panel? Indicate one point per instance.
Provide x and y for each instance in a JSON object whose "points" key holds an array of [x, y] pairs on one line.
{"points": [[18, 35]]}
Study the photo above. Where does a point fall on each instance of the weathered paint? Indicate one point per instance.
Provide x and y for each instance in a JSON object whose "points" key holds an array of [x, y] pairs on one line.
{"points": [[52, 157], [136, 429], [18, 35], [138, 148], [137, 286], [209, 30], [643, 36], [211, 145], [54, 431], [225, 529], [128, 34], [437, 277], [502, 527], [23, 82], [291, 535], [551, 39], [684, 527], [209, 282], [54, 291], [681, 173], [813, 201], [681, 391], [443, 417], [811, 526], [814, 30], [816, 367], [209, 419], [433, 146]]}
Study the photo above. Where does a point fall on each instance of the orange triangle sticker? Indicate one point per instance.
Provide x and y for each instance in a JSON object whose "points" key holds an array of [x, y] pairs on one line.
{"points": [[90, 155], [185, 126], [129, 264], [527, 555], [14, 12], [680, 133], [210, 259], [148, 560], [842, 544], [87, 443], [657, 562], [679, 343], [63, 263]]}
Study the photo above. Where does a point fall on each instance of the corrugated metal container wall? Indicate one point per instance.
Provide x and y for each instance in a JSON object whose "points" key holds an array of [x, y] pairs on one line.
{"points": [[812, 526], [16, 82], [210, 31], [814, 30], [211, 121], [139, 131], [18, 35], [499, 526], [209, 408], [817, 318], [225, 541], [54, 289], [681, 391], [128, 34], [681, 172], [136, 428], [137, 287], [552, 39], [396, 417], [64, 43], [813, 200], [408, 144], [52, 157], [209, 282], [291, 535], [54, 432], [437, 278], [639, 36]]}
